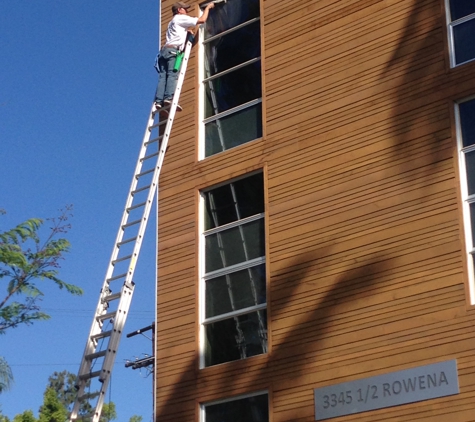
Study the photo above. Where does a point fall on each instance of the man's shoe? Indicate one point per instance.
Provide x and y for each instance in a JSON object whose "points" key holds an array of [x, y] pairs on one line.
{"points": [[157, 105], [168, 102]]}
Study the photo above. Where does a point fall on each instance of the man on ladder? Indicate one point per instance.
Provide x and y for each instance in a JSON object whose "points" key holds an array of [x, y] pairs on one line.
{"points": [[174, 45]]}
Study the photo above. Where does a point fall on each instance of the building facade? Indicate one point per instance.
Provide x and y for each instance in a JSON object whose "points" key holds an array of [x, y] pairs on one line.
{"points": [[317, 216]]}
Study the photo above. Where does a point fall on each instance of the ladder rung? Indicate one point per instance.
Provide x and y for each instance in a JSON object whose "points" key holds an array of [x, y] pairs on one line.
{"points": [[149, 156], [95, 355], [111, 297], [132, 223], [127, 241], [101, 335], [116, 277], [89, 375], [153, 140], [125, 258], [160, 123], [140, 189], [89, 396], [133, 207], [145, 172], [103, 317], [86, 417]]}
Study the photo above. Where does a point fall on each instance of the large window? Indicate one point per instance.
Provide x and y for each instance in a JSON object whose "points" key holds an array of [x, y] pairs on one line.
{"points": [[233, 293], [231, 76], [251, 408], [465, 113], [461, 22]]}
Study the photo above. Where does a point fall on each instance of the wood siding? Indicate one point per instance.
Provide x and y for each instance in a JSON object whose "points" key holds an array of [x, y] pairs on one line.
{"points": [[366, 270]]}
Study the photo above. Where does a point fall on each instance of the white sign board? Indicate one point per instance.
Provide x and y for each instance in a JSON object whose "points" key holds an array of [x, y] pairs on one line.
{"points": [[401, 387]]}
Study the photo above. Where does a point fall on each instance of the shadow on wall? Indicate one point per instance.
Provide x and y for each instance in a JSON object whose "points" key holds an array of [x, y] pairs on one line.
{"points": [[420, 116], [422, 146], [349, 285]]}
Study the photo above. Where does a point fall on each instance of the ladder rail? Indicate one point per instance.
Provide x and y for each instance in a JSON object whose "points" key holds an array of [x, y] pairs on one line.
{"points": [[93, 353], [102, 306]]}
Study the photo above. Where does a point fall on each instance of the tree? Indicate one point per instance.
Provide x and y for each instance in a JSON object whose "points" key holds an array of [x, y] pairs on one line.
{"points": [[26, 416], [3, 418], [59, 395], [6, 376], [63, 383], [24, 260], [108, 412], [52, 409]]}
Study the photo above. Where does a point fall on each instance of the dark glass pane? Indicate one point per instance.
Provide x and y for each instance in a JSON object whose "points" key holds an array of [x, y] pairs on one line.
{"points": [[467, 119], [235, 245], [461, 8], [235, 291], [472, 221], [227, 15], [220, 207], [249, 409], [250, 195], [233, 130], [236, 338], [234, 201], [464, 36], [470, 168], [233, 89], [232, 49]]}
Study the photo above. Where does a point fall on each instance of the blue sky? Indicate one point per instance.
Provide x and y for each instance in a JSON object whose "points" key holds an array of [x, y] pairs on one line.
{"points": [[76, 86]]}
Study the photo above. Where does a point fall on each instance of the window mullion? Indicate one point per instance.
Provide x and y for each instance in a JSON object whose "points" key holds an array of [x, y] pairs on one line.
{"points": [[236, 313], [228, 31], [232, 69], [463, 20], [232, 110], [469, 148], [234, 224], [234, 268]]}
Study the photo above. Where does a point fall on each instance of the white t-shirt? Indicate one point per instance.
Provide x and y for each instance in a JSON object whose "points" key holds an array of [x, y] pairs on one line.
{"points": [[176, 32]]}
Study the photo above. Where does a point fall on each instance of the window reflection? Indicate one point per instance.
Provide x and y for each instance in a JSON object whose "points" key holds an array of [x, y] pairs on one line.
{"points": [[235, 321], [232, 75], [248, 409], [461, 8], [230, 14]]}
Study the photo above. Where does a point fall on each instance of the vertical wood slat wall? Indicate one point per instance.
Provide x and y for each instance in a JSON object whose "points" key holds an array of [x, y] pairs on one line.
{"points": [[365, 252]]}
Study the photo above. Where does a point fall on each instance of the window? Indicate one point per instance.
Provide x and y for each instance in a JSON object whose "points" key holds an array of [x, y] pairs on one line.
{"points": [[251, 408], [231, 76], [461, 21], [465, 113], [233, 288]]}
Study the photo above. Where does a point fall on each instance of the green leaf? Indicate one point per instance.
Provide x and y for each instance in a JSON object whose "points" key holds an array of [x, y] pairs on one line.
{"points": [[25, 260]]}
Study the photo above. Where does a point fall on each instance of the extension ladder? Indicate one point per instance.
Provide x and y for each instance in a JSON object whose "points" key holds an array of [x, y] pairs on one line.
{"points": [[114, 302]]}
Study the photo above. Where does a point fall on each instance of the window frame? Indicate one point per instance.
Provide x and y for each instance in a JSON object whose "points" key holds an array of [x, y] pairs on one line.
{"points": [[202, 120], [230, 399], [450, 30], [204, 276], [466, 200]]}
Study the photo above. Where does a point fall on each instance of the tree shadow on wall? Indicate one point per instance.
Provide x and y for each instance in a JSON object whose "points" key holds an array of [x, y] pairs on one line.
{"points": [[305, 310], [313, 322], [420, 124]]}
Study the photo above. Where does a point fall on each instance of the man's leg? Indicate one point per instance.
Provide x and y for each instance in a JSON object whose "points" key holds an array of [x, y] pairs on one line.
{"points": [[172, 77], [162, 81]]}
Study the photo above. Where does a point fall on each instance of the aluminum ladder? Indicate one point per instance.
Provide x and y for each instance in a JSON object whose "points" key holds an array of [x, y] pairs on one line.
{"points": [[118, 287]]}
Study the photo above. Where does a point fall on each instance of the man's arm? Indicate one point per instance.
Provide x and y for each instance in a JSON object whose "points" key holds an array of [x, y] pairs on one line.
{"points": [[202, 19]]}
